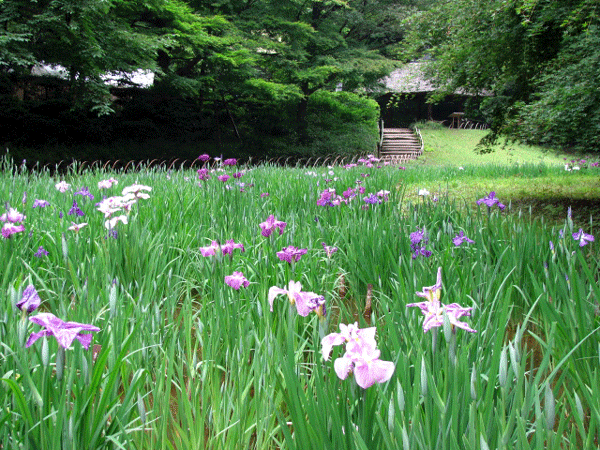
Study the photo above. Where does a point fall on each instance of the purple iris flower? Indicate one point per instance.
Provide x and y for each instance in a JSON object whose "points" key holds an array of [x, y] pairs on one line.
{"points": [[490, 201], [37, 203], [583, 238], [349, 193], [204, 157], [30, 300], [434, 311], [203, 174], [64, 332], [267, 227], [372, 199], [223, 177], [291, 254], [238, 175], [237, 280], [85, 191], [418, 241], [75, 210], [461, 239], [326, 198], [230, 162], [41, 252]]}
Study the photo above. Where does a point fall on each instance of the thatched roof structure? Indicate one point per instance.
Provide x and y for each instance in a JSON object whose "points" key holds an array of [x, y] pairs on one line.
{"points": [[409, 79]]}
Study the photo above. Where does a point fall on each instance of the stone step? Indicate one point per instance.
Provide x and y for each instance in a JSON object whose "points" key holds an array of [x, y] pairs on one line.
{"points": [[399, 145]]}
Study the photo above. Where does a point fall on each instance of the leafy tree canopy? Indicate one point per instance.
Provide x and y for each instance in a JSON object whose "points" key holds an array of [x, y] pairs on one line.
{"points": [[539, 58]]}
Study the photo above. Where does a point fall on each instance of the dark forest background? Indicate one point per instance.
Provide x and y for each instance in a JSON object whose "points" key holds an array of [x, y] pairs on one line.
{"points": [[265, 78]]}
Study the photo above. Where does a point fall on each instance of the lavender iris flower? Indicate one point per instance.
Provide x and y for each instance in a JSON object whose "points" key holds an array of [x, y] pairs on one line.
{"points": [[85, 192], [64, 332], [291, 254], [434, 311], [418, 241], [490, 201], [461, 239], [30, 300], [372, 199], [38, 203], [583, 238]]}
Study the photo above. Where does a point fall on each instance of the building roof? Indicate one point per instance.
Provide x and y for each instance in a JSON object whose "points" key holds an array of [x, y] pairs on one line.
{"points": [[411, 79]]}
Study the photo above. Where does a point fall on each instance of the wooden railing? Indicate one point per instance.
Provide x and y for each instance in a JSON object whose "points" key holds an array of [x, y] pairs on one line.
{"points": [[380, 138], [422, 144]]}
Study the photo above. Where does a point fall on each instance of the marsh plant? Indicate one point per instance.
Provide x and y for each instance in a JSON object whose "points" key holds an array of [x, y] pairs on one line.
{"points": [[228, 307]]}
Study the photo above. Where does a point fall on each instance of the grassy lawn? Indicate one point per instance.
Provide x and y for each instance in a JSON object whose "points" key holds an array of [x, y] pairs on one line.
{"points": [[526, 176]]}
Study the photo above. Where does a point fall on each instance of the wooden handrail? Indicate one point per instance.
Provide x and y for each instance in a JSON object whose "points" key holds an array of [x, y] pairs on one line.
{"points": [[422, 146], [380, 138]]}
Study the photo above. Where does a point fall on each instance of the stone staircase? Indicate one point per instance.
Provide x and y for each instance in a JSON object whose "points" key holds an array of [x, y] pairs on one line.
{"points": [[400, 144]]}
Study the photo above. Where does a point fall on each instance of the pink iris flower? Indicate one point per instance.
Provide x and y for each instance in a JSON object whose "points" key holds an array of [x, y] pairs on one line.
{"points": [[136, 191], [361, 356], [12, 216], [267, 227], [237, 280], [230, 246], [305, 302], [291, 254], [62, 186], [64, 332], [210, 250], [107, 184], [8, 229], [77, 226]]}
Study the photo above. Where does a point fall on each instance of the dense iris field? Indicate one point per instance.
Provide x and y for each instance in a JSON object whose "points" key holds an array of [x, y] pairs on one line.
{"points": [[201, 303]]}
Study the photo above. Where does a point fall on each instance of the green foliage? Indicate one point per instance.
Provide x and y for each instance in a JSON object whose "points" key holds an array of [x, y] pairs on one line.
{"points": [[345, 107], [538, 59], [184, 361], [565, 112]]}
